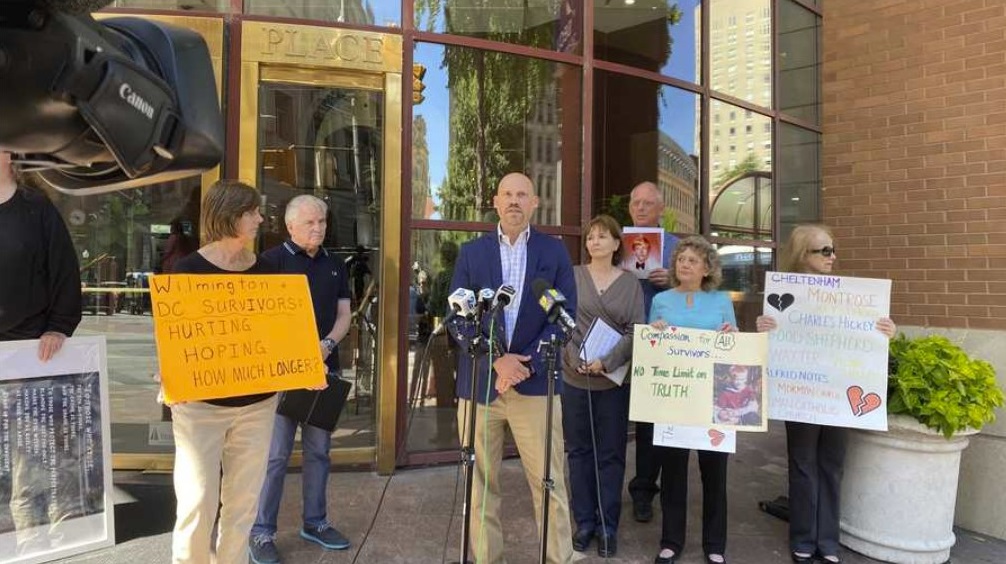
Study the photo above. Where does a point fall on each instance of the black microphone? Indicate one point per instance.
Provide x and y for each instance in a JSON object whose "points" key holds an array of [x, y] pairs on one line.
{"points": [[504, 297], [553, 302], [485, 298], [452, 318]]}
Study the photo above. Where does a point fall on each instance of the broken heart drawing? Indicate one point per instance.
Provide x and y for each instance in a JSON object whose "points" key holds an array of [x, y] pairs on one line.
{"points": [[780, 301], [861, 403]]}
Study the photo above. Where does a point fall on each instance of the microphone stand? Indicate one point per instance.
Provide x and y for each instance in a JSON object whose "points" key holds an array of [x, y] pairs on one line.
{"points": [[468, 449], [551, 352]]}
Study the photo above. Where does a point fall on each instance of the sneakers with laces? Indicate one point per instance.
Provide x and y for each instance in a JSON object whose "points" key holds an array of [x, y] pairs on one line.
{"points": [[326, 535], [262, 550]]}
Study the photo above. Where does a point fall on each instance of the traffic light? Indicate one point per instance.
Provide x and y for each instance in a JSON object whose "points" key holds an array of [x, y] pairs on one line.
{"points": [[418, 72]]}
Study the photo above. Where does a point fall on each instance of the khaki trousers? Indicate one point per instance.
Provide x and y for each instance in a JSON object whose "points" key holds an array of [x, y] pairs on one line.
{"points": [[220, 461], [525, 416]]}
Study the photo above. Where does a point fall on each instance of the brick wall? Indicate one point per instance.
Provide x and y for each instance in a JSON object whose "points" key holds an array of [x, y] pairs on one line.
{"points": [[914, 153]]}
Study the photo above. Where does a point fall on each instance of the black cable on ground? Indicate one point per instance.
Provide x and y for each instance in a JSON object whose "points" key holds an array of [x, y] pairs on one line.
{"points": [[423, 365]]}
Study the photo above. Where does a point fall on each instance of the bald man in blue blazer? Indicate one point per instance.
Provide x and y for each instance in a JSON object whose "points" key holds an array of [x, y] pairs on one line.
{"points": [[514, 391]]}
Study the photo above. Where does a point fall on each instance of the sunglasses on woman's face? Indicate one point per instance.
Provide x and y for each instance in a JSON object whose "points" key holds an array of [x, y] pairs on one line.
{"points": [[826, 252]]}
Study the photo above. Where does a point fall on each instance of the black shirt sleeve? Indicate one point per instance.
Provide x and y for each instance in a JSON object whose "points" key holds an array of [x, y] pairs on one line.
{"points": [[63, 274]]}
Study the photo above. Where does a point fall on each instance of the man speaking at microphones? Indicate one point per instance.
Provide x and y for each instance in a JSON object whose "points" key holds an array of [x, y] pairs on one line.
{"points": [[513, 390]]}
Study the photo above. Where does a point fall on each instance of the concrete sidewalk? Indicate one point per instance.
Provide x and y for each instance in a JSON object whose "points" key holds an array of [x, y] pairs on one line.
{"points": [[413, 516]]}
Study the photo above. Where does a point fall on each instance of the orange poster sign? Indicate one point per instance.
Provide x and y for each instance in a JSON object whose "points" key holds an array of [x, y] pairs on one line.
{"points": [[225, 335]]}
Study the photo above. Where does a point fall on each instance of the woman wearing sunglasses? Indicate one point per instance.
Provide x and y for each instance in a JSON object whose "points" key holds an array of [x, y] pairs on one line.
{"points": [[816, 452]]}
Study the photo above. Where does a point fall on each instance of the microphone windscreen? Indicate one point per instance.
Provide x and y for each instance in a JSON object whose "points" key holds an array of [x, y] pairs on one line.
{"points": [[74, 6], [538, 287]]}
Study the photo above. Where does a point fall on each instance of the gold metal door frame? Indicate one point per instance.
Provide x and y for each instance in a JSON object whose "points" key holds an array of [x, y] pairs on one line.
{"points": [[340, 58]]}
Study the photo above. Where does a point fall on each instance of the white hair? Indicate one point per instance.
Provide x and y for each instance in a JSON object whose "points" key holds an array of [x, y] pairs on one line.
{"points": [[293, 208]]}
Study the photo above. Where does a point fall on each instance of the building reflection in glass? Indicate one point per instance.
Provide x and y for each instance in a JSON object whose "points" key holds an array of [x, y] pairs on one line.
{"points": [[655, 138], [547, 24], [326, 141], [662, 36], [485, 114]]}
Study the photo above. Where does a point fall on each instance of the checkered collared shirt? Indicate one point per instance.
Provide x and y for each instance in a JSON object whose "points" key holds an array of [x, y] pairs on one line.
{"points": [[514, 260]]}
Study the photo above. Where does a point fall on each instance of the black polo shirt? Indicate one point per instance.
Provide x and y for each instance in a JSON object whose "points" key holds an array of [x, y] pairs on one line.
{"points": [[327, 278]]}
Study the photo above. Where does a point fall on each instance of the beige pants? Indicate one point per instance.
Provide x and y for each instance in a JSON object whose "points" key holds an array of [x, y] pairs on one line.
{"points": [[526, 417], [220, 461]]}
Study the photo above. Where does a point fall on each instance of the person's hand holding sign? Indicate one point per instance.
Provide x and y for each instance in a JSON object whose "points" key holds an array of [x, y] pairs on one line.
{"points": [[887, 327], [49, 344], [765, 323]]}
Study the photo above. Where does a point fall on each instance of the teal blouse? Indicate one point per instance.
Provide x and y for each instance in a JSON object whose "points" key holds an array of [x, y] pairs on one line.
{"points": [[709, 310]]}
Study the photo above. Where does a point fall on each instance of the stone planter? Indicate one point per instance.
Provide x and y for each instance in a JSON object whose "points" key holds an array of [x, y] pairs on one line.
{"points": [[899, 492]]}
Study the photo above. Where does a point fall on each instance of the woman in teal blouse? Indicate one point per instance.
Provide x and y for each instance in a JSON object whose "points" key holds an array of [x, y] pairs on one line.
{"points": [[693, 302]]}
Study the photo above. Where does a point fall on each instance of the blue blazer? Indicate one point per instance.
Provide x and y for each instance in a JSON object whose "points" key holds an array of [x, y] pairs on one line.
{"points": [[478, 266]]}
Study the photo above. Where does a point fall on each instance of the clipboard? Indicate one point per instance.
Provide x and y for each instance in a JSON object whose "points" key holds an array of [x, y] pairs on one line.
{"points": [[319, 408], [599, 340]]}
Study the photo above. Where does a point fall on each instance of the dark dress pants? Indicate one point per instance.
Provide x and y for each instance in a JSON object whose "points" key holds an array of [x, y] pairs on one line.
{"points": [[674, 499], [643, 487], [608, 411], [816, 459]]}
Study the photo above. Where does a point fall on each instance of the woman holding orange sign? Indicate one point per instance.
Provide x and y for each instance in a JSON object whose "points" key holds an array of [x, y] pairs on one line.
{"points": [[220, 454]]}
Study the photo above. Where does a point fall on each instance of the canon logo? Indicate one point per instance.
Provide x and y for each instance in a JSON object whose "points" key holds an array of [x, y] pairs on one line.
{"points": [[135, 100]]}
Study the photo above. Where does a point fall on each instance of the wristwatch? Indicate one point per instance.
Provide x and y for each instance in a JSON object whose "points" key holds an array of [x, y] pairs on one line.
{"points": [[329, 344]]}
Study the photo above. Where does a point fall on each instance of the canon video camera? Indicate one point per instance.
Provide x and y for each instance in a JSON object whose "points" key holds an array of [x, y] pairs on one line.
{"points": [[92, 107]]}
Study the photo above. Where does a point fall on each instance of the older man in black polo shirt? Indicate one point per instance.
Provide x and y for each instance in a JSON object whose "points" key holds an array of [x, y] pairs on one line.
{"points": [[326, 276]]}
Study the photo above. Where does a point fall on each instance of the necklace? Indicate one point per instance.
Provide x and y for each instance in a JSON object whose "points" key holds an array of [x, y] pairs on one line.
{"points": [[603, 280]]}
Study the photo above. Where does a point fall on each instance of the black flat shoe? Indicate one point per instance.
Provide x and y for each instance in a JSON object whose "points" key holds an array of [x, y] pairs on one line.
{"points": [[581, 539], [801, 557], [642, 511], [607, 546], [669, 560]]}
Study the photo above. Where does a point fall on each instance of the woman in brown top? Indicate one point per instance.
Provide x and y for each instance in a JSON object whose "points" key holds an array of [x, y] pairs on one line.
{"points": [[595, 409]]}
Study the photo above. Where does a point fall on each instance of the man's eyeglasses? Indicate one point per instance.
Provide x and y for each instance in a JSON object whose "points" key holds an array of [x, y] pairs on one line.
{"points": [[826, 252]]}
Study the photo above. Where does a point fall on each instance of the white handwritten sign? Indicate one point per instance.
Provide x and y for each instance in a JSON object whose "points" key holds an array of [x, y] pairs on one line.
{"points": [[697, 377], [827, 360], [695, 438]]}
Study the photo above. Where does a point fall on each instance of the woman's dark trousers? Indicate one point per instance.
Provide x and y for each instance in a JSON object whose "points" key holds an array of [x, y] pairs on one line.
{"points": [[611, 420], [674, 498], [816, 458]]}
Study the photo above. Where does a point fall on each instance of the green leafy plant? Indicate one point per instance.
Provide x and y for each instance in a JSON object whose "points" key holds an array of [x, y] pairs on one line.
{"points": [[940, 385], [617, 206]]}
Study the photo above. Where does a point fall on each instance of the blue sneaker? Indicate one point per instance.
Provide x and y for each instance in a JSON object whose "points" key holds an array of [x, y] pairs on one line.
{"points": [[325, 535], [262, 550]]}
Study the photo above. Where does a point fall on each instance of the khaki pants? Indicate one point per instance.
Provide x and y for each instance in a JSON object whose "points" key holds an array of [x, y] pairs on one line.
{"points": [[220, 461], [525, 416]]}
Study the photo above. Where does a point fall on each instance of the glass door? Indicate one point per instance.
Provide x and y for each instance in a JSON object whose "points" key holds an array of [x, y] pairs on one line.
{"points": [[327, 141], [320, 118]]}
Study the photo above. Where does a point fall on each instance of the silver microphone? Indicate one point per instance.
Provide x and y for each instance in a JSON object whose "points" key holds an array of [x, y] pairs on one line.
{"points": [[462, 302]]}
